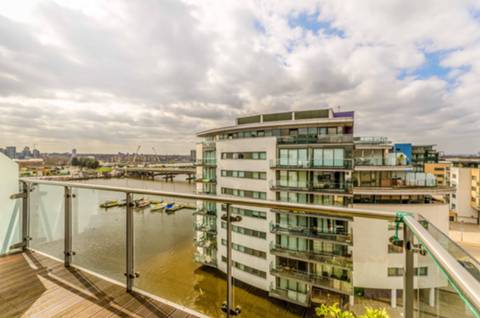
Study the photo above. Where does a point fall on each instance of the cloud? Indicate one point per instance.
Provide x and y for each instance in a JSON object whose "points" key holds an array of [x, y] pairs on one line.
{"points": [[105, 76]]}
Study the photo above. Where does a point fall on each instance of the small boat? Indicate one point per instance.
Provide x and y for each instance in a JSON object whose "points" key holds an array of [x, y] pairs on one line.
{"points": [[142, 203], [173, 207], [157, 207], [109, 204]]}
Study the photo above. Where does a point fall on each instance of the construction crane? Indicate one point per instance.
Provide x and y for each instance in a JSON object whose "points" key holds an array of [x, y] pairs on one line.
{"points": [[136, 154], [157, 157]]}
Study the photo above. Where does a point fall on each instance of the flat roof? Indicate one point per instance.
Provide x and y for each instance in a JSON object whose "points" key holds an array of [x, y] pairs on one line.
{"points": [[284, 119]]}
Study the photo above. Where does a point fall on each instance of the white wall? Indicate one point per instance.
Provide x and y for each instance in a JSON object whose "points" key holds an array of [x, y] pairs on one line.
{"points": [[370, 252], [10, 210], [463, 183], [268, 145]]}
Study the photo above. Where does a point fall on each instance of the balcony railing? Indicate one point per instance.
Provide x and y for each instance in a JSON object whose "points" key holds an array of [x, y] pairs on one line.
{"points": [[330, 187], [315, 139], [206, 162], [311, 164], [309, 232], [206, 241], [297, 297], [328, 282], [205, 227], [377, 162], [456, 267], [206, 180], [204, 212], [336, 259]]}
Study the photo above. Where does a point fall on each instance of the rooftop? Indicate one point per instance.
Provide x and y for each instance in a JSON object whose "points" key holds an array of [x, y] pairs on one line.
{"points": [[276, 120]]}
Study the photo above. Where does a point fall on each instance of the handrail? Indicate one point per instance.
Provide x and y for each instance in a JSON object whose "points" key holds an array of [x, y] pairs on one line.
{"points": [[468, 288], [456, 273], [328, 210]]}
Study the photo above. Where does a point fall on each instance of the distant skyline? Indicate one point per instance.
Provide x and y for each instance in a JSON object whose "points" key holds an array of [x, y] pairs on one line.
{"points": [[104, 76]]}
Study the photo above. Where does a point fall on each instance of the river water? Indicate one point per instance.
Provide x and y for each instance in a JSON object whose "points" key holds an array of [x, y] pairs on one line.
{"points": [[163, 248]]}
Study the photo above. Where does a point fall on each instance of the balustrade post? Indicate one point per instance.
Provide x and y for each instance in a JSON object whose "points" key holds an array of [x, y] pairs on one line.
{"points": [[409, 272], [68, 252], [130, 242], [229, 308], [26, 188]]}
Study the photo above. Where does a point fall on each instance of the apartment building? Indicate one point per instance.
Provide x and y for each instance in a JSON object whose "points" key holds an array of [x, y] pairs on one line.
{"points": [[440, 170], [311, 157], [465, 178]]}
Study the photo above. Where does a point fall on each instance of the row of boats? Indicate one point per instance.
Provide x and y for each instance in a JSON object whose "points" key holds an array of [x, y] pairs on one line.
{"points": [[142, 203]]}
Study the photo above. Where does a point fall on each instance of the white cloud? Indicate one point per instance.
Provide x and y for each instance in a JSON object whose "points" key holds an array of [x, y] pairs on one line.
{"points": [[106, 76]]}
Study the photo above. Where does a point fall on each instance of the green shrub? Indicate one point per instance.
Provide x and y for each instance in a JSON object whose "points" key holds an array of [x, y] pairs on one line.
{"points": [[334, 311]]}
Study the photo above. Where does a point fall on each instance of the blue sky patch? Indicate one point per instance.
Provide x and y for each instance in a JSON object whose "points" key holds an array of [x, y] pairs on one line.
{"points": [[312, 23]]}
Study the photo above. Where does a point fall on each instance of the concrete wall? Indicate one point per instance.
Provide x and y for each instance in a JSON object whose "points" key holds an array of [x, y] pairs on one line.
{"points": [[370, 252], [10, 210]]}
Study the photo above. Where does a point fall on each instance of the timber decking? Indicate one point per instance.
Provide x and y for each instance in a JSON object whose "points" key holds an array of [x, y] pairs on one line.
{"points": [[33, 285]]}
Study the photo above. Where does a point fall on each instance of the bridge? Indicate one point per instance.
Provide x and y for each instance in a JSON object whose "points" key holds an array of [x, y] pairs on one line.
{"points": [[167, 173]]}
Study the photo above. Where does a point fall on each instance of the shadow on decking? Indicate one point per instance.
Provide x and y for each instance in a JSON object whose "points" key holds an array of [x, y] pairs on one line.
{"points": [[34, 285]]}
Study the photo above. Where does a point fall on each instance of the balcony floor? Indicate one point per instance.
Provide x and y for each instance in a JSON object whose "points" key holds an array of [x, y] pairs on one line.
{"points": [[33, 285]]}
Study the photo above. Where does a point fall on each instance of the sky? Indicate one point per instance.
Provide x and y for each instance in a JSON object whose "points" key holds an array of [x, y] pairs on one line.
{"points": [[106, 76]]}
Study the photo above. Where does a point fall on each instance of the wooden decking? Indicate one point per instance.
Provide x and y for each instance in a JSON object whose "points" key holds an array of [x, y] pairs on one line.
{"points": [[32, 285]]}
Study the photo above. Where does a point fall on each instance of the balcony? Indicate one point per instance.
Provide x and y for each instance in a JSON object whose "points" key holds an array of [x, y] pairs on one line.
{"points": [[40, 216], [206, 180], [208, 145], [206, 227], [291, 296], [34, 285], [318, 187], [325, 282], [206, 162], [381, 164], [314, 165], [205, 259], [315, 139], [313, 233], [204, 212], [206, 241], [330, 258]]}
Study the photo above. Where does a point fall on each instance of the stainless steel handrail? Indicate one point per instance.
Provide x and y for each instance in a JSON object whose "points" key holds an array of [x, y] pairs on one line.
{"points": [[457, 274], [328, 210]]}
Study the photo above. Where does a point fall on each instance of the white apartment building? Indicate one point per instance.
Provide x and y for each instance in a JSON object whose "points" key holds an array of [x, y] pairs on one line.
{"points": [[465, 177], [311, 157]]}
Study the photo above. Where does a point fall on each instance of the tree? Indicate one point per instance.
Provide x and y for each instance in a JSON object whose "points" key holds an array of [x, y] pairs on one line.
{"points": [[334, 311]]}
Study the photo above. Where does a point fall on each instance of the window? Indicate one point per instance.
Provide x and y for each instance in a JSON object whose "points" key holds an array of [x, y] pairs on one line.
{"points": [[248, 212], [244, 174], [247, 269], [398, 271], [262, 155], [246, 250], [246, 231]]}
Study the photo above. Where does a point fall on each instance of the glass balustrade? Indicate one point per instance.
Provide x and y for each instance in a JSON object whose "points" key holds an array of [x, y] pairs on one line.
{"points": [[47, 219], [98, 232], [187, 264]]}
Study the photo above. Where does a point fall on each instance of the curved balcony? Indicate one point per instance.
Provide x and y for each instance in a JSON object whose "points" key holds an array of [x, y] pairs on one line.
{"points": [[343, 286], [316, 139], [331, 258], [313, 233]]}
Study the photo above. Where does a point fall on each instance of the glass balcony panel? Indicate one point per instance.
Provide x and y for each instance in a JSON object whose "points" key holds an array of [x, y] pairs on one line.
{"points": [[47, 206], [10, 209], [98, 240]]}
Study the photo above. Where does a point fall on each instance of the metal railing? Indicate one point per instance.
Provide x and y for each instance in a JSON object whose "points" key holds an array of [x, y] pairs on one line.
{"points": [[314, 139], [458, 276], [312, 164]]}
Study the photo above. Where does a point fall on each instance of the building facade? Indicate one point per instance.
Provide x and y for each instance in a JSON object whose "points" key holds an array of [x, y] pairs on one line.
{"points": [[310, 157], [465, 178]]}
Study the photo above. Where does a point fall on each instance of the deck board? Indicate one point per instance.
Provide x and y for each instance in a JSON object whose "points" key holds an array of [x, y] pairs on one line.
{"points": [[33, 285]]}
